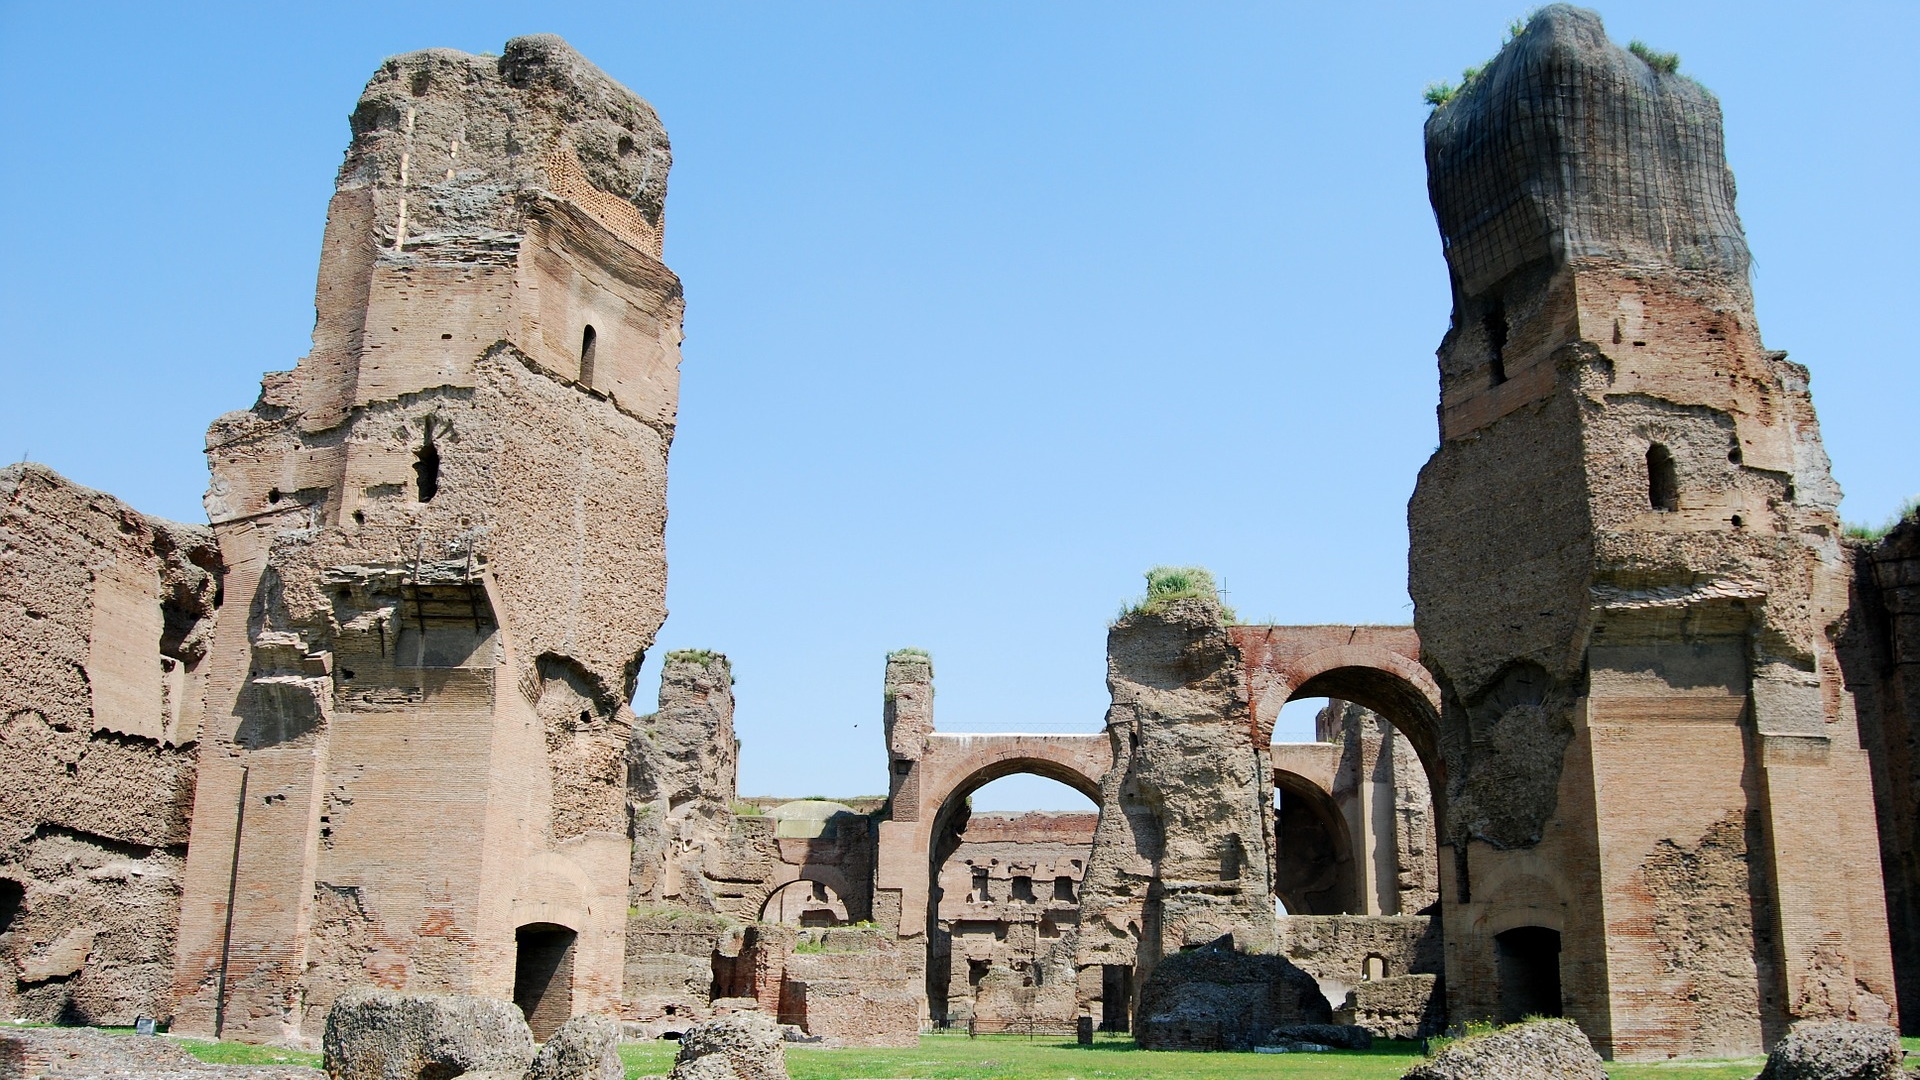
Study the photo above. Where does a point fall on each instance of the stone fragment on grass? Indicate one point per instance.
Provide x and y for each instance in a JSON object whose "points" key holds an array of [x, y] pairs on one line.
{"points": [[1841, 1050], [748, 1044], [584, 1048], [1534, 1048]]}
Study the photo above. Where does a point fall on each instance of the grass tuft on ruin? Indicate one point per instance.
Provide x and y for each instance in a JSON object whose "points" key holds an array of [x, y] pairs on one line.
{"points": [[1666, 63], [697, 656], [1166, 585], [1909, 510], [1441, 92]]}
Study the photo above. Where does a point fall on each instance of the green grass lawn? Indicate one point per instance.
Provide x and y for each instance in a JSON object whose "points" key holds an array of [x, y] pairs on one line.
{"points": [[956, 1057], [234, 1053], [1010, 1057]]}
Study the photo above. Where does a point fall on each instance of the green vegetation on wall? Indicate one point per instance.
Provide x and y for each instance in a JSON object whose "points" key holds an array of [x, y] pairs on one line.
{"points": [[1168, 584]]}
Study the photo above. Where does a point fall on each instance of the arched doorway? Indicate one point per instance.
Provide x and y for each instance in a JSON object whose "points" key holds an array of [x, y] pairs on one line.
{"points": [[1527, 963], [1010, 847], [543, 976]]}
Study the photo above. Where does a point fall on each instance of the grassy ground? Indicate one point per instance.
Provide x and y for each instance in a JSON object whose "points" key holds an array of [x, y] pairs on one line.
{"points": [[955, 1057], [233, 1053]]}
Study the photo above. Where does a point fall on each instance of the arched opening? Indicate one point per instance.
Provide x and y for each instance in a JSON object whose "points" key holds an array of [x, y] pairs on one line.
{"points": [[1663, 480], [1376, 968], [543, 976], [1313, 863], [1527, 960], [589, 339], [1010, 848], [805, 903], [1355, 822]]}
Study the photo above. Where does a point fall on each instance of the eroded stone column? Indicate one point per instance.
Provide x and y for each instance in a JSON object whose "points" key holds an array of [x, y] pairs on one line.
{"points": [[1181, 854]]}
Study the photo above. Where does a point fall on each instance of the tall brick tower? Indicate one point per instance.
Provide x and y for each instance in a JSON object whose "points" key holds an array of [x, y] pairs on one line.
{"points": [[1626, 573], [443, 534]]}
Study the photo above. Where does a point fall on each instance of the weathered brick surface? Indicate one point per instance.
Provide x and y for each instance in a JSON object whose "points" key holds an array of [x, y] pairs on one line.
{"points": [[443, 530], [1627, 577], [1881, 653]]}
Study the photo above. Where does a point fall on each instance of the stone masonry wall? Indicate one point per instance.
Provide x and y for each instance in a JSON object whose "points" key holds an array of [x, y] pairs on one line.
{"points": [[682, 769], [1009, 902], [105, 615], [1881, 653]]}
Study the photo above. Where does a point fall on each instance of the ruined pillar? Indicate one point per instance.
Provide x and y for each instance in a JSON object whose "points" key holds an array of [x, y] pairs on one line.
{"points": [[1626, 568], [1182, 851], [443, 531], [901, 876], [682, 771], [1381, 790], [903, 856]]}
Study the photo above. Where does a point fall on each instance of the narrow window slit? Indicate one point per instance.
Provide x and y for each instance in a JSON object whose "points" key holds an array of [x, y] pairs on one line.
{"points": [[1663, 482], [426, 468], [588, 338], [1496, 327]]}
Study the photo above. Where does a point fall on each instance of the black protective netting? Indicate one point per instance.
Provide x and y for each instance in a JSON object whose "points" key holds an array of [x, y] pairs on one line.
{"points": [[1568, 146]]}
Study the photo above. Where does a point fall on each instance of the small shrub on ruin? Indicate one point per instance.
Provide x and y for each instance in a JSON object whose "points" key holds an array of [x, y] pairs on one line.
{"points": [[747, 809], [1665, 63], [909, 653]]}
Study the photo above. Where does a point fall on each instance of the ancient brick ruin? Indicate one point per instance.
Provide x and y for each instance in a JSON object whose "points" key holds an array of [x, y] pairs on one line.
{"points": [[442, 541], [371, 728], [1624, 552]]}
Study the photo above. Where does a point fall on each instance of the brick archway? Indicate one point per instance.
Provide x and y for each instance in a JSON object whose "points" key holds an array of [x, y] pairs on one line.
{"points": [[1374, 666], [948, 769]]}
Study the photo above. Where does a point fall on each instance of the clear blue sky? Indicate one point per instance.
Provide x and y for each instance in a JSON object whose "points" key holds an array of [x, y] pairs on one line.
{"points": [[990, 306]]}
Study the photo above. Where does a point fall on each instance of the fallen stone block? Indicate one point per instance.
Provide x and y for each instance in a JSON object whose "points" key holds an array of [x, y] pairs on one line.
{"points": [[1337, 1036], [584, 1048], [384, 1035], [84, 1054], [1841, 1050], [1556, 1048], [747, 1046]]}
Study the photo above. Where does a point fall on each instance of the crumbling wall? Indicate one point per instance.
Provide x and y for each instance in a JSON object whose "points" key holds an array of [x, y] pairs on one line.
{"points": [[854, 985], [670, 956], [104, 619], [1881, 653], [1009, 902], [1216, 998], [1626, 574], [1181, 852], [445, 529]]}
